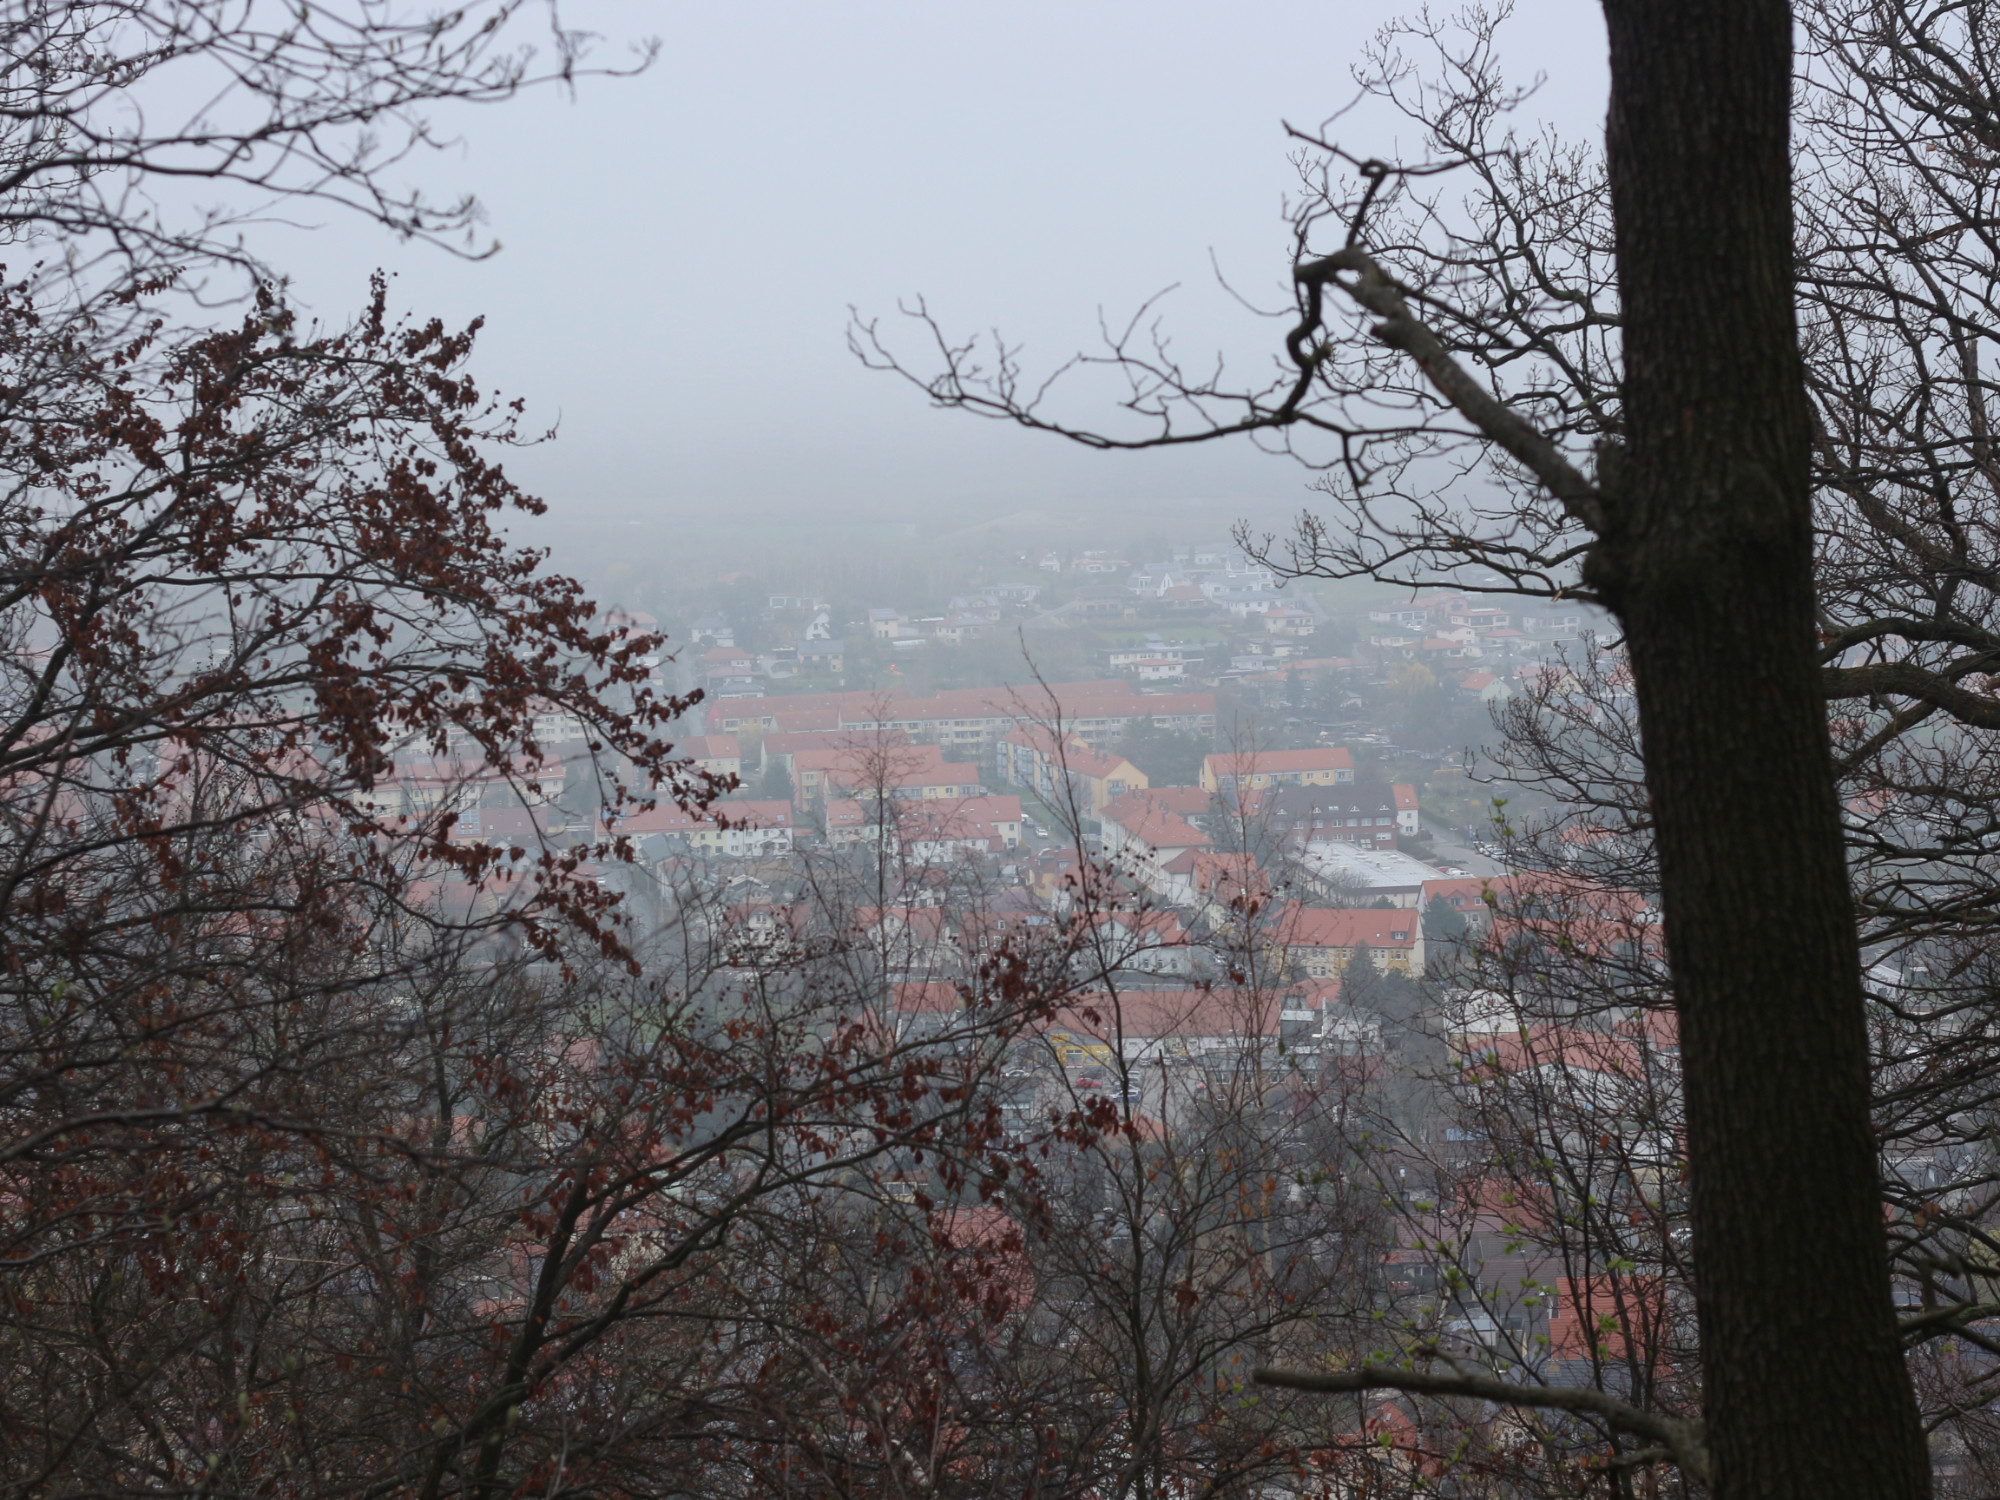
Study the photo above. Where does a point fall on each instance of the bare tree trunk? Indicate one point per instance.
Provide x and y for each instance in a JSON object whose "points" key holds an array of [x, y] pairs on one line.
{"points": [[1706, 557]]}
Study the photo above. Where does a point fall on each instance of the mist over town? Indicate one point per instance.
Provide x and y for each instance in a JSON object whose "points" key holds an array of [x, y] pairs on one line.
{"points": [[1115, 753]]}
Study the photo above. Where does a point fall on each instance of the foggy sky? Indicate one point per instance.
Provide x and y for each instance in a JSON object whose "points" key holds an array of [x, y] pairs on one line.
{"points": [[680, 249]]}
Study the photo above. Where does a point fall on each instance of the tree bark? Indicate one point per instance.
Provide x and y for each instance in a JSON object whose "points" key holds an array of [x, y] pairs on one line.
{"points": [[1706, 558]]}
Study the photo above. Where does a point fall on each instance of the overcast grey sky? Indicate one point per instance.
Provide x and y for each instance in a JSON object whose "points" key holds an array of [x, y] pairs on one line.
{"points": [[680, 249]]}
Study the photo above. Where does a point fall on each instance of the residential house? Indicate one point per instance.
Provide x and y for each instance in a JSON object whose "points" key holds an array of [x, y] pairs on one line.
{"points": [[1152, 648], [1165, 1026], [1254, 770], [985, 607], [730, 671], [1146, 835], [1467, 895], [1322, 941], [1148, 943], [555, 725], [933, 832], [763, 932], [844, 822], [956, 629], [1056, 771], [523, 828], [822, 656], [737, 830], [1098, 564], [421, 786], [1409, 816], [923, 1007], [717, 754], [917, 772], [1486, 687], [1479, 617], [712, 630], [1450, 645], [907, 940], [1103, 601], [1556, 621], [778, 749], [1296, 817], [1418, 613], [1242, 600]]}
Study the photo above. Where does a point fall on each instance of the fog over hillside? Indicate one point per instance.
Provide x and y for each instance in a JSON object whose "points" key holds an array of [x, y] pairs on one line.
{"points": [[680, 250]]}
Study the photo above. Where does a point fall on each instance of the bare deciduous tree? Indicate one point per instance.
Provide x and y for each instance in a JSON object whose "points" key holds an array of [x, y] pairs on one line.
{"points": [[1587, 377]]}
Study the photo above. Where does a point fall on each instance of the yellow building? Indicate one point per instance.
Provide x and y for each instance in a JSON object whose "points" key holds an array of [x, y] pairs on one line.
{"points": [[1255, 770]]}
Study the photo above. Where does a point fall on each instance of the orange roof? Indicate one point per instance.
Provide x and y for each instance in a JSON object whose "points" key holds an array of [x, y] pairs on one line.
{"points": [[1230, 877], [1269, 762], [1073, 754], [710, 747], [1562, 1047], [1188, 801], [833, 738], [1152, 824], [965, 818], [853, 753], [1460, 894], [929, 997], [1551, 893], [1661, 1029], [1597, 1316], [1160, 926], [1178, 1012], [1328, 927]]}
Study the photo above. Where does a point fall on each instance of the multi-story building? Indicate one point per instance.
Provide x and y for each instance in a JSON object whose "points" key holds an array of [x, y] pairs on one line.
{"points": [[862, 772], [1322, 941], [1255, 770], [1057, 770], [737, 829], [1366, 813]]}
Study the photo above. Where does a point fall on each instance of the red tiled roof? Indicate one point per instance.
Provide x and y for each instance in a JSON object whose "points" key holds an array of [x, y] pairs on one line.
{"points": [[667, 818], [1269, 762], [1177, 1012], [1329, 927], [1153, 824], [834, 738], [1073, 754], [933, 997], [710, 747]]}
